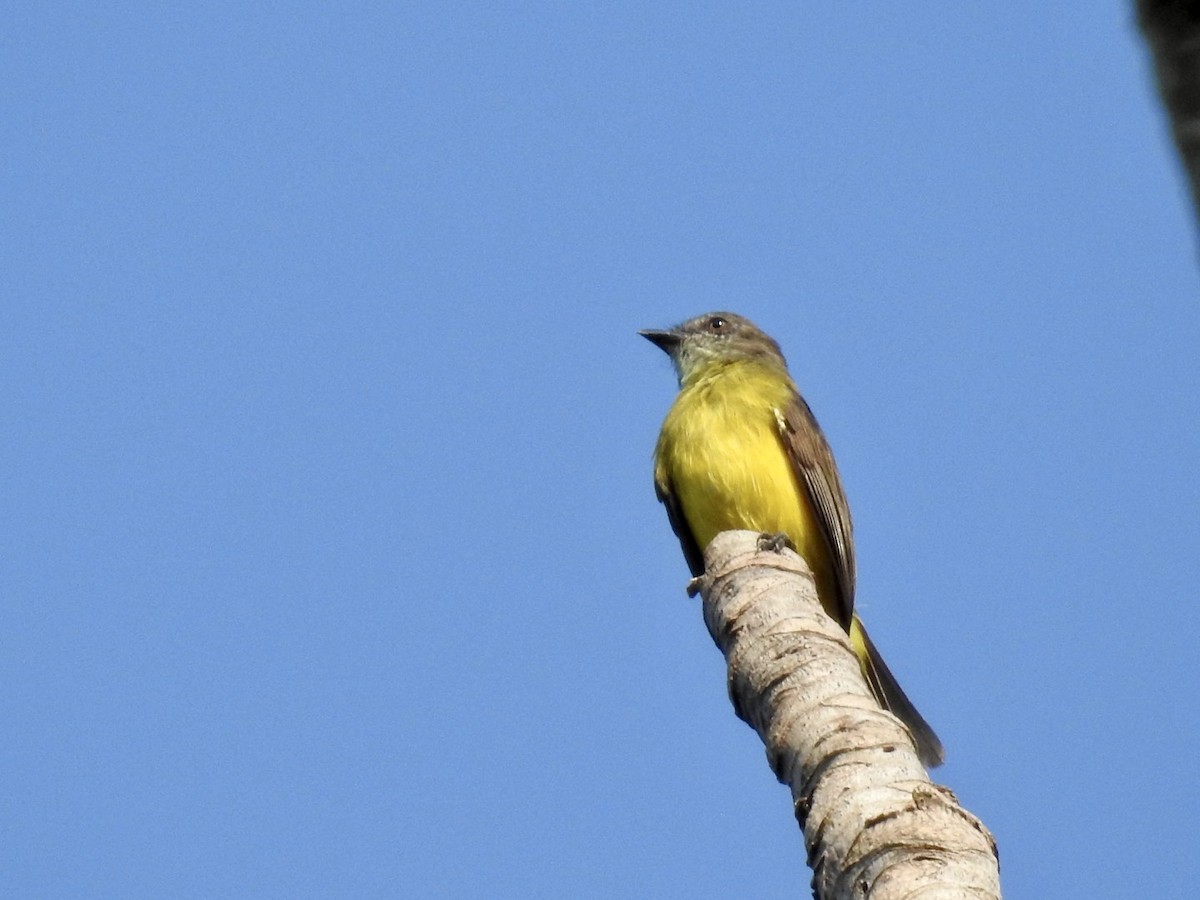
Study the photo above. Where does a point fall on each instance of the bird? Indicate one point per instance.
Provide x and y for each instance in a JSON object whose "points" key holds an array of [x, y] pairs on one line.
{"points": [[741, 449]]}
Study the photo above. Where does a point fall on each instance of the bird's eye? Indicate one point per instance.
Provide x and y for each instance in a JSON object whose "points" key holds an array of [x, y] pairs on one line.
{"points": [[716, 323]]}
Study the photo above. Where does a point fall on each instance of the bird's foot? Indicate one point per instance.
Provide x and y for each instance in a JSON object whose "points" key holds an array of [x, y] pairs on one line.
{"points": [[774, 543]]}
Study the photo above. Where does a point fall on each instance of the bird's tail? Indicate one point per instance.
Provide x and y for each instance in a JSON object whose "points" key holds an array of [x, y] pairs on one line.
{"points": [[891, 697]]}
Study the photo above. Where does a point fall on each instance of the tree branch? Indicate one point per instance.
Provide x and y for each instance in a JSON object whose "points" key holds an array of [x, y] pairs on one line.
{"points": [[1172, 29], [874, 825]]}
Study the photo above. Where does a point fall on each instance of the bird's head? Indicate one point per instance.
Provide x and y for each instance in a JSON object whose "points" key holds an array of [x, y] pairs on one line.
{"points": [[706, 343]]}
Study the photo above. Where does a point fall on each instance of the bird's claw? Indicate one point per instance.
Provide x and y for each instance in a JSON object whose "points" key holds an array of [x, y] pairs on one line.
{"points": [[774, 543]]}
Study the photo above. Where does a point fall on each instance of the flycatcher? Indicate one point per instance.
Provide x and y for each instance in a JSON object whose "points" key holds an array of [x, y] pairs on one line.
{"points": [[740, 449]]}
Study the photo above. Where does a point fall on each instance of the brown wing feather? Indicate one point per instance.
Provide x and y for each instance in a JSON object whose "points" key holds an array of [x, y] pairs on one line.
{"points": [[812, 461], [691, 550]]}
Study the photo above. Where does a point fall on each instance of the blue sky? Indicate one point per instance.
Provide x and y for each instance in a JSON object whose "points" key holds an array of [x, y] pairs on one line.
{"points": [[330, 561]]}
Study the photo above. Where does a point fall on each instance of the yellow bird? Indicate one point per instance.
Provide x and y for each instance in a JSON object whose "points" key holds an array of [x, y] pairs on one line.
{"points": [[740, 449]]}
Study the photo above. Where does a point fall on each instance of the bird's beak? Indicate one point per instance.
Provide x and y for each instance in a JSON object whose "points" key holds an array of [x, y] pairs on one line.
{"points": [[666, 341]]}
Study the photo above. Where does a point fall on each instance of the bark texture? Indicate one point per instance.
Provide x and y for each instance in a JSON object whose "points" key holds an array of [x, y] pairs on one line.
{"points": [[1172, 29], [874, 825]]}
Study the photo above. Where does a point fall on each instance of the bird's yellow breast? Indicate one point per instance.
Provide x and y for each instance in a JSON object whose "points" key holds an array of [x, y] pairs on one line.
{"points": [[721, 454]]}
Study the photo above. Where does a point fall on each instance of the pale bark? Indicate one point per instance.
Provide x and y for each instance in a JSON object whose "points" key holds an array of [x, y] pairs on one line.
{"points": [[874, 825], [1172, 29]]}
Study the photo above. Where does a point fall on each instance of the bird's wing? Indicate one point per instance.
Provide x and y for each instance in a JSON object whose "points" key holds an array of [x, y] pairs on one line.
{"points": [[691, 550], [812, 461]]}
